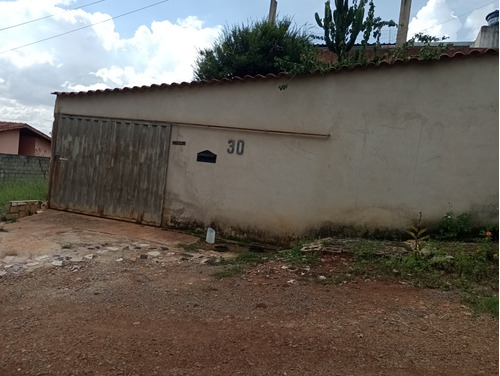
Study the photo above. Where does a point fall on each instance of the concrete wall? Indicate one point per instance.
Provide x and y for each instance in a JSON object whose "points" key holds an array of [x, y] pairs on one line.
{"points": [[20, 167], [487, 37], [9, 142], [404, 139]]}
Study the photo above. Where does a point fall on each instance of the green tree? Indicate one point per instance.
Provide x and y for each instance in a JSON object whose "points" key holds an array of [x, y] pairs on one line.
{"points": [[254, 49]]}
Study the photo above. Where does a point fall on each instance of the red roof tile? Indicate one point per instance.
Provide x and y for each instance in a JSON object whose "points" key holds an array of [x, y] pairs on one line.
{"points": [[453, 53], [9, 126]]}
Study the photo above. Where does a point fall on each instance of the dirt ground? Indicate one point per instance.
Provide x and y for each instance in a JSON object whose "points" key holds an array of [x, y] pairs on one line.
{"points": [[88, 296]]}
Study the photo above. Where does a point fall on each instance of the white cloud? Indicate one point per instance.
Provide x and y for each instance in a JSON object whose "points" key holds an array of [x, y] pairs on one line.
{"points": [[95, 57], [436, 19]]}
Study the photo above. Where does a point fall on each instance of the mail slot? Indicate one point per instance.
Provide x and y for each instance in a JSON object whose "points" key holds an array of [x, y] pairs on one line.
{"points": [[206, 156]]}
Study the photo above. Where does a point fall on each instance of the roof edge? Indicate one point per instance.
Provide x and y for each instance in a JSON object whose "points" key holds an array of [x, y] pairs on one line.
{"points": [[16, 125], [445, 56]]}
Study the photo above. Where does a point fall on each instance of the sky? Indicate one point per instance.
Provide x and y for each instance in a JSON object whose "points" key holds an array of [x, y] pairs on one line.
{"points": [[79, 45]]}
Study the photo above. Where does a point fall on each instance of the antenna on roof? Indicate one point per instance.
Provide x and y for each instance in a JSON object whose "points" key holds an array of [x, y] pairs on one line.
{"points": [[272, 12]]}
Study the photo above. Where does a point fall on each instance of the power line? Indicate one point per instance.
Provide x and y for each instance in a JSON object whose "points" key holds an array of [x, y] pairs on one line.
{"points": [[52, 15], [83, 27]]}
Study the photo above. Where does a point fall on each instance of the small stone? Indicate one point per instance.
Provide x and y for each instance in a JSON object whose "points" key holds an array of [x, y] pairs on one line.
{"points": [[144, 245], [32, 264], [137, 323], [2, 273], [144, 257], [57, 262], [15, 268], [89, 257], [112, 248], [8, 259], [154, 253], [321, 277], [76, 259], [119, 259], [41, 258]]}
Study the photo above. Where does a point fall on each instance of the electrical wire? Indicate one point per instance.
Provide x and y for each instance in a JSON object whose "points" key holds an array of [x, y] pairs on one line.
{"points": [[83, 27], [52, 15], [456, 17]]}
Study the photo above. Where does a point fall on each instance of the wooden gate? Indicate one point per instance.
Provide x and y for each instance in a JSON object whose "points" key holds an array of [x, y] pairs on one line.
{"points": [[110, 168]]}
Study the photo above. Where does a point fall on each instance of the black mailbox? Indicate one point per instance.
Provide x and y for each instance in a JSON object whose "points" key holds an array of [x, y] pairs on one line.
{"points": [[206, 156]]}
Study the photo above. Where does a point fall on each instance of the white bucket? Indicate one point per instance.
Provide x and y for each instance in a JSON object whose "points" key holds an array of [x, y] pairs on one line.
{"points": [[210, 236]]}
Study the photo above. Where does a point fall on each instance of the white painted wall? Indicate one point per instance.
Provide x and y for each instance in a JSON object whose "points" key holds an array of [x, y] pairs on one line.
{"points": [[410, 138]]}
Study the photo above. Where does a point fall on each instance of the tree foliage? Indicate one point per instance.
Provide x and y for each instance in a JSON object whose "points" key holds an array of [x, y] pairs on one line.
{"points": [[429, 48], [254, 49]]}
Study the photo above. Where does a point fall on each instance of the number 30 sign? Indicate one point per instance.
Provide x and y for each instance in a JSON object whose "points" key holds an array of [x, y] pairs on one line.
{"points": [[238, 146]]}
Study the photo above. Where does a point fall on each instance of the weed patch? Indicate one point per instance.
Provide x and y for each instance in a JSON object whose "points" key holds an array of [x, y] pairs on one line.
{"points": [[23, 190], [189, 247], [228, 272], [469, 268], [488, 304], [454, 227], [236, 266], [296, 258]]}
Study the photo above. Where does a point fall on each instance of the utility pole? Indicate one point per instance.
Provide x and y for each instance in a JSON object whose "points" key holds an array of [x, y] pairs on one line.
{"points": [[404, 20], [272, 11]]}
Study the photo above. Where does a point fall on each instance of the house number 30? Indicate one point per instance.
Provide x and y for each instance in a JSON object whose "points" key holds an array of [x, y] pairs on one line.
{"points": [[238, 146]]}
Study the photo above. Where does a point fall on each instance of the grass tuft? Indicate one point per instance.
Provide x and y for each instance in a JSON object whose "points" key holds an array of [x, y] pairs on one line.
{"points": [[488, 304], [296, 258], [228, 272], [236, 266], [37, 189], [469, 268], [189, 247]]}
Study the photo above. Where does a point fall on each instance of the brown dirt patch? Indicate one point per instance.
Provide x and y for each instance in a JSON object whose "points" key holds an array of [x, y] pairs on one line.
{"points": [[173, 318]]}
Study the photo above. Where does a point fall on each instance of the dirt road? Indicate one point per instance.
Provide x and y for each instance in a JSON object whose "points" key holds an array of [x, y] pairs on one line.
{"points": [[121, 313]]}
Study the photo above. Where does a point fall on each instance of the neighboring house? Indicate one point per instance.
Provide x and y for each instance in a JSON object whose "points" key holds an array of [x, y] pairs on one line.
{"points": [[359, 149], [22, 139]]}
